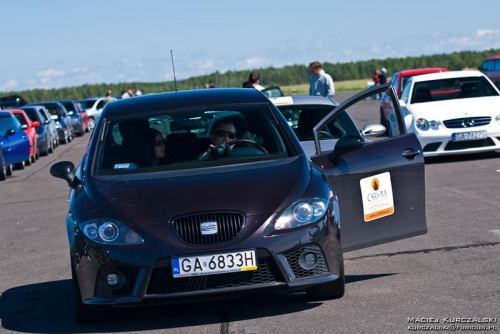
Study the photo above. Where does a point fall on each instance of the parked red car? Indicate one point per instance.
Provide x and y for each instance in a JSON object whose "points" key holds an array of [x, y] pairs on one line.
{"points": [[398, 81], [30, 128]]}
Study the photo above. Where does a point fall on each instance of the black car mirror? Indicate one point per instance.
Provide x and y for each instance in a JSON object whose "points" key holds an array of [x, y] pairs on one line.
{"points": [[344, 145], [65, 170], [9, 132]]}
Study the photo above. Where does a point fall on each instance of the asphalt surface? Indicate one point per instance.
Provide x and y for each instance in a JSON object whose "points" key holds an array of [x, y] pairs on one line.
{"points": [[451, 272]]}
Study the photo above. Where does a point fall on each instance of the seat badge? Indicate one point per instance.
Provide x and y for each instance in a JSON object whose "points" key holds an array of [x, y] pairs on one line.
{"points": [[209, 228]]}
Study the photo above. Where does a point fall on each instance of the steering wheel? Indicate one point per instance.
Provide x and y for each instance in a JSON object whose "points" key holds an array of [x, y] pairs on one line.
{"points": [[242, 142]]}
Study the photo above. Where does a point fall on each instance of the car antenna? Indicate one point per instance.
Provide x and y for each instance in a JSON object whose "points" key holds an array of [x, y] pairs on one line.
{"points": [[173, 67]]}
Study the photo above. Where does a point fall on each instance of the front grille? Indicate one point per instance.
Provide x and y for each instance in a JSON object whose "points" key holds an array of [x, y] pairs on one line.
{"points": [[128, 276], [293, 260], [229, 226], [462, 145], [162, 282], [468, 122]]}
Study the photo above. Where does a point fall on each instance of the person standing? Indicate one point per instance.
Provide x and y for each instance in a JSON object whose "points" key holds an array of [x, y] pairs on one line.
{"points": [[320, 83], [253, 81], [383, 76]]}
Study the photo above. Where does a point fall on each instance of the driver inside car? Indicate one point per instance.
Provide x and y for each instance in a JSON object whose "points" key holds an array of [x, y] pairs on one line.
{"points": [[223, 132]]}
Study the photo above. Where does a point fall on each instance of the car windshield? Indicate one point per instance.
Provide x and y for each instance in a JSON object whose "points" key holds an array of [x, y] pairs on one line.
{"points": [[87, 104], [69, 106], [451, 88], [194, 138], [21, 119], [6, 123], [31, 114]]}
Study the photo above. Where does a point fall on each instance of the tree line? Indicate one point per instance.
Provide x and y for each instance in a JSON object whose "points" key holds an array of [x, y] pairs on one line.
{"points": [[288, 75]]}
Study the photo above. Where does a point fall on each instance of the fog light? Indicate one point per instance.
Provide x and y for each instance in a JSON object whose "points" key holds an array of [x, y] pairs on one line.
{"points": [[308, 260], [112, 279]]}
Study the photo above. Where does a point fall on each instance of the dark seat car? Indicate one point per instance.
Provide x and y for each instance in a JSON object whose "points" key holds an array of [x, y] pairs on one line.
{"points": [[47, 135], [79, 118], [14, 142], [61, 117], [250, 215]]}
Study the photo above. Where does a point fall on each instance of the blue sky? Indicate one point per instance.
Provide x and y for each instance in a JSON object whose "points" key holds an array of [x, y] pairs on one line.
{"points": [[58, 43]]}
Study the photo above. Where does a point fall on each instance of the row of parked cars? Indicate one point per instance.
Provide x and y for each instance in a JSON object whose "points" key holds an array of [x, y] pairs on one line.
{"points": [[31, 130]]}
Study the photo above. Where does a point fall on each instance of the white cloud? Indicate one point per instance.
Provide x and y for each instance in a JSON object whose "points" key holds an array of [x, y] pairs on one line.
{"points": [[47, 75], [80, 70], [255, 62], [202, 65], [485, 32], [9, 85]]}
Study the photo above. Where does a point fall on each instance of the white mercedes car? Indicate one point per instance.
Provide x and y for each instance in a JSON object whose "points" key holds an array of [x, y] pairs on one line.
{"points": [[451, 113]]}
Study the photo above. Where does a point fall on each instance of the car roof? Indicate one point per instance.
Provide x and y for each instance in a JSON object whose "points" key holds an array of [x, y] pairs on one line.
{"points": [[417, 71], [493, 57], [6, 113], [183, 99], [303, 100], [446, 75]]}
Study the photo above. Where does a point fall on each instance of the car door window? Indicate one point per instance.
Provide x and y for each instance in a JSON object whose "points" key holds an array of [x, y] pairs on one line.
{"points": [[364, 126]]}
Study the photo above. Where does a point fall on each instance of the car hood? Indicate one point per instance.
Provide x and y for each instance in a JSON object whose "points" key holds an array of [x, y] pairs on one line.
{"points": [[155, 199], [460, 108]]}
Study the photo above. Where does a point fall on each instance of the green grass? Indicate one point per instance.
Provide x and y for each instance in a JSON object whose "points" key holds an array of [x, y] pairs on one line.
{"points": [[340, 86]]}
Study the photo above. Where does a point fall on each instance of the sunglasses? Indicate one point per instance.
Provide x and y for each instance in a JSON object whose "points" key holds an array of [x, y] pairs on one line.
{"points": [[159, 142], [223, 134]]}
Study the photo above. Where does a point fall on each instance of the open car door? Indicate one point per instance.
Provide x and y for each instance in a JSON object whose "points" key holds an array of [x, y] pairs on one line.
{"points": [[274, 91], [379, 178]]}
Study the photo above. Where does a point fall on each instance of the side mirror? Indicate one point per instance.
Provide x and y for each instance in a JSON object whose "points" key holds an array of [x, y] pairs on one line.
{"points": [[373, 130], [402, 103], [344, 145], [24, 127], [9, 132], [36, 124], [65, 170]]}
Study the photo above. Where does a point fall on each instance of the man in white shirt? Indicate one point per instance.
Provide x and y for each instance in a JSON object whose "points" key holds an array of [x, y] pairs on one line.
{"points": [[320, 83]]}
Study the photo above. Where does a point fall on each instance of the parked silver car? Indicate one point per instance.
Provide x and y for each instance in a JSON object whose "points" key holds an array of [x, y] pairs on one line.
{"points": [[93, 106]]}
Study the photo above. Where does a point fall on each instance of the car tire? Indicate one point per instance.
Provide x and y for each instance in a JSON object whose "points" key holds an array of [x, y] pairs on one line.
{"points": [[83, 313], [330, 290], [20, 165], [30, 159], [9, 170], [3, 170]]}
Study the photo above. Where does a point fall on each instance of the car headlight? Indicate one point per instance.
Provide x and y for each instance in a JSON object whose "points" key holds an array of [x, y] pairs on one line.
{"points": [[58, 125], [425, 125], [108, 231], [302, 212]]}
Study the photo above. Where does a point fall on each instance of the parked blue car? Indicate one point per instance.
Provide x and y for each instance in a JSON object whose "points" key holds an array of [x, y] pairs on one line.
{"points": [[14, 143]]}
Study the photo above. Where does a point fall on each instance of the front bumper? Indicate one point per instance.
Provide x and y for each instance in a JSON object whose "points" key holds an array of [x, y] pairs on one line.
{"points": [[146, 269], [440, 143]]}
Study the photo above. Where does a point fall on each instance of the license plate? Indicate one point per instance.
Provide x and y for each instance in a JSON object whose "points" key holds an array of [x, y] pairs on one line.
{"points": [[473, 135], [214, 264]]}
